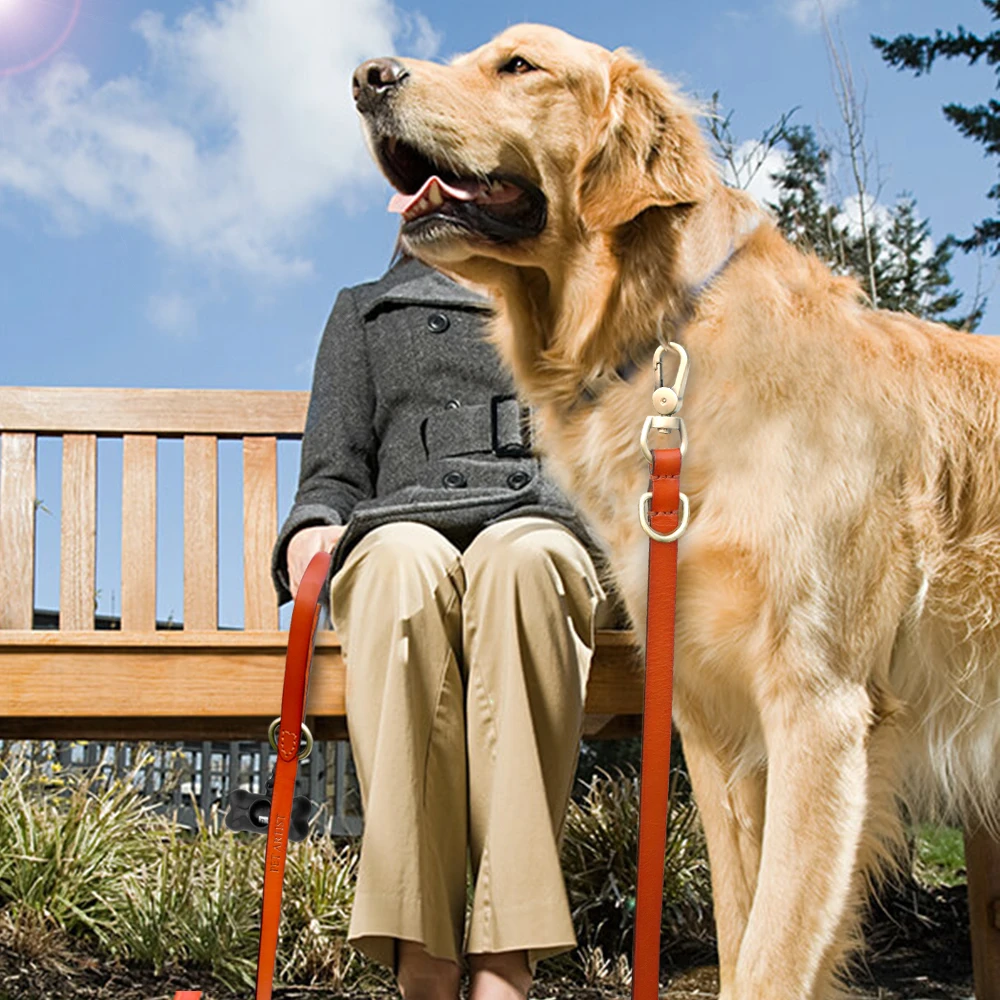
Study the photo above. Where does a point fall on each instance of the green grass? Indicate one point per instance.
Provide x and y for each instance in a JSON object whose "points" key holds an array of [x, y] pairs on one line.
{"points": [[939, 856]]}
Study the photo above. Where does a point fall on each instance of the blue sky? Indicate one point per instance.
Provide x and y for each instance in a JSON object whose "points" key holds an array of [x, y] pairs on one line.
{"points": [[183, 189]]}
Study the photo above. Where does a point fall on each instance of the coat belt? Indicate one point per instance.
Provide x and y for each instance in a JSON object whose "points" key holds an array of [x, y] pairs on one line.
{"points": [[501, 426]]}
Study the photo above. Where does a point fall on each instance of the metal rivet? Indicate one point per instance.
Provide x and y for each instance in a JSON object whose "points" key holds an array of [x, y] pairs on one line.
{"points": [[453, 480], [518, 480], [452, 404]]}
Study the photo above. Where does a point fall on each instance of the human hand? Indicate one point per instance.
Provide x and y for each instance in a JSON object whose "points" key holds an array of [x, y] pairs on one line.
{"points": [[304, 544]]}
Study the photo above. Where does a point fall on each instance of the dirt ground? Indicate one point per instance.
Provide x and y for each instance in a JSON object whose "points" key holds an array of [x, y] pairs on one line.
{"points": [[918, 949]]}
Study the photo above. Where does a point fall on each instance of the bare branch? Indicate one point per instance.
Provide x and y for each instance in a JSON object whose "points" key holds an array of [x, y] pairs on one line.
{"points": [[981, 294], [852, 116], [744, 166]]}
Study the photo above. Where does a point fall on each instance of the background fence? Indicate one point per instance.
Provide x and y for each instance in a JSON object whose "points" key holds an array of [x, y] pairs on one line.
{"points": [[190, 778]]}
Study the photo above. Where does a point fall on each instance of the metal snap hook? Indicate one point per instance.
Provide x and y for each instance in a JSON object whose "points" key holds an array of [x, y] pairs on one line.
{"points": [[667, 399], [665, 425]]}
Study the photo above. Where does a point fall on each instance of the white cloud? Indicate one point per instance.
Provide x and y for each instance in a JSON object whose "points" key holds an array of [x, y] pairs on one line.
{"points": [[421, 38], [754, 168], [875, 214], [755, 172], [808, 14], [172, 313], [242, 130]]}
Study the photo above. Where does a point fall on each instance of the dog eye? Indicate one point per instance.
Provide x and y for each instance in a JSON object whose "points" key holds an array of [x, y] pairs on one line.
{"points": [[517, 64]]}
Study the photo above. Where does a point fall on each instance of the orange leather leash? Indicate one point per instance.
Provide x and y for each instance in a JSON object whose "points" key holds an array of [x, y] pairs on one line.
{"points": [[301, 634], [282, 813], [663, 512]]}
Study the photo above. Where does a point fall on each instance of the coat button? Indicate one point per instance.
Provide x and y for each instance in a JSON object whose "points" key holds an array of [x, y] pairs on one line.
{"points": [[454, 480], [518, 480], [438, 322], [452, 404]]}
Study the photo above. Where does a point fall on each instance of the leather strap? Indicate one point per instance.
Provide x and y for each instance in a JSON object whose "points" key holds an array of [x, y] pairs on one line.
{"points": [[301, 634], [298, 659], [654, 781]]}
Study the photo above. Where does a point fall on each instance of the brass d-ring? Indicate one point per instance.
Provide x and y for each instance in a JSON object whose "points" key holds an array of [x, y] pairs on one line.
{"points": [[644, 502], [305, 732]]}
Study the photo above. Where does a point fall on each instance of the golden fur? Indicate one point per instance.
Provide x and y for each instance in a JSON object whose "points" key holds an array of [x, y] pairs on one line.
{"points": [[838, 611]]}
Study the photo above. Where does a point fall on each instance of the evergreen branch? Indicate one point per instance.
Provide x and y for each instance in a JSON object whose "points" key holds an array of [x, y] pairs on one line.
{"points": [[918, 54]]}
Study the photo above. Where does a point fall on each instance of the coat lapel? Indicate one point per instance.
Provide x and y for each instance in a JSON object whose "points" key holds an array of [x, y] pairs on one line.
{"points": [[426, 287]]}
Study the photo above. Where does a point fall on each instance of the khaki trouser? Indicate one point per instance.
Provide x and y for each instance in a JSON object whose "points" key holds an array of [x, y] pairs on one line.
{"points": [[466, 677]]}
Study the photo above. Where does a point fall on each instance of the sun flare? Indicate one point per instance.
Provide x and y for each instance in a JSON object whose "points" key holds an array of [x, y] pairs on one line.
{"points": [[53, 21]]}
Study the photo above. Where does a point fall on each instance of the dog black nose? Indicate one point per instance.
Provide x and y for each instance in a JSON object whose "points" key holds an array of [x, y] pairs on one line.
{"points": [[375, 79]]}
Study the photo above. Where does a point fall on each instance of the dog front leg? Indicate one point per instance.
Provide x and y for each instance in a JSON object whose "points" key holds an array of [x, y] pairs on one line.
{"points": [[815, 810], [732, 814]]}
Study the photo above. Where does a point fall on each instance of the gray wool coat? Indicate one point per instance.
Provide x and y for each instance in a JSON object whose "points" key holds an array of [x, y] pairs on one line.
{"points": [[413, 417]]}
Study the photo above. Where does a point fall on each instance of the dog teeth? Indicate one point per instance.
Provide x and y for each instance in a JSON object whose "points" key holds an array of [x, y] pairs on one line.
{"points": [[393, 142], [435, 196], [417, 210]]}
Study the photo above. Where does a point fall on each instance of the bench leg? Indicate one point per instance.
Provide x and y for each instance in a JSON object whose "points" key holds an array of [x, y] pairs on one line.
{"points": [[982, 866]]}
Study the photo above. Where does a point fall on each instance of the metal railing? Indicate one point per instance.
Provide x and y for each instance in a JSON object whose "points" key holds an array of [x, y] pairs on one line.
{"points": [[188, 779]]}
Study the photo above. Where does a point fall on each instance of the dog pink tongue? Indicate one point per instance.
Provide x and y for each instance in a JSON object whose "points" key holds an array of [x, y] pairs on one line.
{"points": [[463, 191]]}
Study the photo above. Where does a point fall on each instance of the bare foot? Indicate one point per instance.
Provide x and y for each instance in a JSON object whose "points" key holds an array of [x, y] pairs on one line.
{"points": [[423, 977], [502, 975]]}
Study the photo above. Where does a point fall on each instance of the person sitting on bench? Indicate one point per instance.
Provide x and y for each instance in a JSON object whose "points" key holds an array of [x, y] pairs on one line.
{"points": [[465, 591]]}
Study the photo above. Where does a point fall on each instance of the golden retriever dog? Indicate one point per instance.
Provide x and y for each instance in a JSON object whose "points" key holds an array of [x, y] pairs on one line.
{"points": [[838, 606]]}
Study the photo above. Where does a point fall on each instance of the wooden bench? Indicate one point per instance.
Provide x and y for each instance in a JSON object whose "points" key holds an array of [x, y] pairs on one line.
{"points": [[197, 681], [200, 682]]}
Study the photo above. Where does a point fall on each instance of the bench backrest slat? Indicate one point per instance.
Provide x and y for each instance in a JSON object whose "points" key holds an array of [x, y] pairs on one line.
{"points": [[17, 529], [78, 532], [140, 418], [201, 532], [260, 512], [139, 533], [224, 413]]}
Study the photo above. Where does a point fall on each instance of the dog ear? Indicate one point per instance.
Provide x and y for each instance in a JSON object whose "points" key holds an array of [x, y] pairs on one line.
{"points": [[647, 150]]}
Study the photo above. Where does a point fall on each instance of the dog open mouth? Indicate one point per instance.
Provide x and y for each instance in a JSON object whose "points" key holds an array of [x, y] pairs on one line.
{"points": [[436, 202]]}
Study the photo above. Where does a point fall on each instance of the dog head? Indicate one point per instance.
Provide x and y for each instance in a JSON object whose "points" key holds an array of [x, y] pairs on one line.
{"points": [[530, 143]]}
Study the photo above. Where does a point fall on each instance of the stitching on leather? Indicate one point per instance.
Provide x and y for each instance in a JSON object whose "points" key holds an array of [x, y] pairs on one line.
{"points": [[672, 510]]}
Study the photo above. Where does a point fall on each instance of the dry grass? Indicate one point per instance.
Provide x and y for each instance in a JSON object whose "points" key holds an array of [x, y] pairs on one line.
{"points": [[86, 864], [100, 897]]}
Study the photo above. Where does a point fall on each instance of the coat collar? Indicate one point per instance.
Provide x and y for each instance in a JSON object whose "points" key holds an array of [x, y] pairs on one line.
{"points": [[413, 283]]}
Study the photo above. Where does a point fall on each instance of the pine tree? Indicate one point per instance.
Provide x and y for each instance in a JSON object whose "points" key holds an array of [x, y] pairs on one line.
{"points": [[917, 279], [980, 123], [799, 211], [804, 215], [910, 274]]}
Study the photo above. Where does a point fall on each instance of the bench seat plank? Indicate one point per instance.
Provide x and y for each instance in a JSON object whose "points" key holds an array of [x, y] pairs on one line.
{"points": [[200, 680]]}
